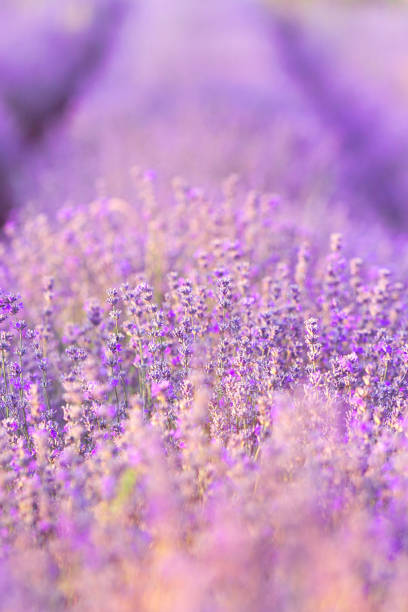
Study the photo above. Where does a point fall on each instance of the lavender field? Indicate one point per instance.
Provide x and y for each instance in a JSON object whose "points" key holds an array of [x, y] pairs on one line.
{"points": [[203, 306]]}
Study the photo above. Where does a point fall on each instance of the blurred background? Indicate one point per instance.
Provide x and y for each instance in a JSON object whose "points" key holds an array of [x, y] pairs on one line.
{"points": [[309, 102]]}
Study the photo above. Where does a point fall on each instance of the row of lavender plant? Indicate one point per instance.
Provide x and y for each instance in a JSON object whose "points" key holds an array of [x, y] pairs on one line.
{"points": [[202, 409], [370, 136]]}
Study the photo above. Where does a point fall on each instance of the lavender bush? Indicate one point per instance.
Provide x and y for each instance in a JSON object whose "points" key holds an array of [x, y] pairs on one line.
{"points": [[202, 408]]}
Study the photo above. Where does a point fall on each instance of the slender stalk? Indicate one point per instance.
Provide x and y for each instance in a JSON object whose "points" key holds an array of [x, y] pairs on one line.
{"points": [[47, 399], [21, 391], [121, 377], [3, 365]]}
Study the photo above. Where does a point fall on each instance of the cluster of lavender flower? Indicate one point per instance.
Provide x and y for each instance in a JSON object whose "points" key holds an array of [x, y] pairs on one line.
{"points": [[201, 410]]}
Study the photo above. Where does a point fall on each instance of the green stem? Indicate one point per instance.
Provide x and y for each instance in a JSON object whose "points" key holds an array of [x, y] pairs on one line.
{"points": [[116, 397], [141, 371], [21, 392], [47, 399], [3, 364]]}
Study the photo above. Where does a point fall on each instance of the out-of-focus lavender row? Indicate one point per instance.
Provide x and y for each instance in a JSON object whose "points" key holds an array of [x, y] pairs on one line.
{"points": [[372, 136], [47, 56], [204, 89]]}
